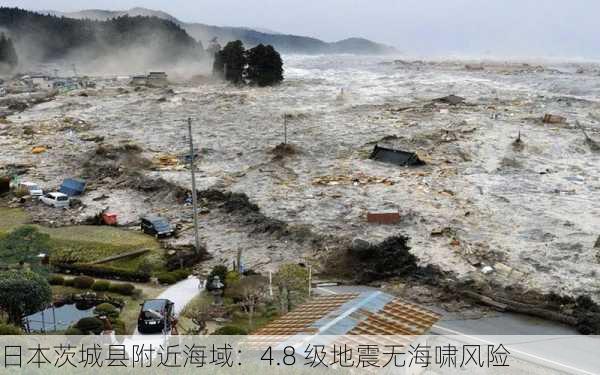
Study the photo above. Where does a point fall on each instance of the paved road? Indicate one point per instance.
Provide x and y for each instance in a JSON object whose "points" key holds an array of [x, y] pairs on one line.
{"points": [[534, 340], [181, 294]]}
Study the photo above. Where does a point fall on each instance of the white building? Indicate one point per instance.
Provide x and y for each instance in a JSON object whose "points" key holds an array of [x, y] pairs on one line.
{"points": [[41, 82]]}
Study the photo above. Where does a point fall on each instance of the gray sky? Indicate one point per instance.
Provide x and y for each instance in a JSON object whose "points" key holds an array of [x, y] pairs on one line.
{"points": [[512, 28]]}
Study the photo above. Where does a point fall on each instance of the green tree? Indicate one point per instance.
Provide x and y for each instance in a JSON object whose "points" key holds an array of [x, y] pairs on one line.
{"points": [[265, 67], [218, 270], [230, 62], [23, 245], [248, 292], [23, 293], [8, 54], [292, 284]]}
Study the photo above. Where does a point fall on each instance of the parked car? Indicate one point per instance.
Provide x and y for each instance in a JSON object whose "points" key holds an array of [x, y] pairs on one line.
{"points": [[156, 226], [32, 188], [56, 199], [155, 316]]}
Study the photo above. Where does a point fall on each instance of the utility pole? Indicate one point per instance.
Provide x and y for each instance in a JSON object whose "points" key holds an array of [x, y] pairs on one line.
{"points": [[194, 193], [285, 116], [309, 280]]}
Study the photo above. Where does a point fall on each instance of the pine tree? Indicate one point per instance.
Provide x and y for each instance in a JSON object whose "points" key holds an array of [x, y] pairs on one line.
{"points": [[230, 62], [265, 67], [8, 55]]}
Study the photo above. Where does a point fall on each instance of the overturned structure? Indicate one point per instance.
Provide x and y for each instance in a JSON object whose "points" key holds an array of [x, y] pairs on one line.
{"points": [[398, 157]]}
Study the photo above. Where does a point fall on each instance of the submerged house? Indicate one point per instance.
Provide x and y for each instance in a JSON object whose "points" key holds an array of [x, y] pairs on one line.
{"points": [[139, 80], [42, 82], [153, 79], [72, 187], [398, 157], [157, 79]]}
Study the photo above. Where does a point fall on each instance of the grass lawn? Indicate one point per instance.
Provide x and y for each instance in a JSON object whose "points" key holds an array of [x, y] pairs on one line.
{"points": [[86, 243], [258, 321], [11, 218]]}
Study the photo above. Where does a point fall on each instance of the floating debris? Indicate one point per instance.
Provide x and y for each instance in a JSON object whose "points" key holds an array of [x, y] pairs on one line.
{"points": [[398, 157]]}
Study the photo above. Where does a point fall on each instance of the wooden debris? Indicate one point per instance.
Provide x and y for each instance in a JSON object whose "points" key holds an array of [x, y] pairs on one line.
{"points": [[357, 179]]}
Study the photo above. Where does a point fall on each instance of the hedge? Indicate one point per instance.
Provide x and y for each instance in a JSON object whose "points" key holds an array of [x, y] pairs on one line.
{"points": [[72, 331], [230, 331], [101, 286], [173, 277], [69, 282], [56, 280], [166, 278], [124, 289], [87, 325], [83, 282], [8, 330], [103, 272], [108, 310]]}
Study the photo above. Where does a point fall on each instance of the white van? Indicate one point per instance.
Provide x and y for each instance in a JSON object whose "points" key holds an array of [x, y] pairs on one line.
{"points": [[31, 187], [56, 199]]}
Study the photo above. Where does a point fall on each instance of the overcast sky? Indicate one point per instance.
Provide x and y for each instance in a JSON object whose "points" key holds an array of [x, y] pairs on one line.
{"points": [[512, 28]]}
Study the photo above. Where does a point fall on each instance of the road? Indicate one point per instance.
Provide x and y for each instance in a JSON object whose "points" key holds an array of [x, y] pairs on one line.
{"points": [[181, 294], [534, 340]]}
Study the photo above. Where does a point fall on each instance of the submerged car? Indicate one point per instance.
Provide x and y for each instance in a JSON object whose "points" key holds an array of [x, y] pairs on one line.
{"points": [[156, 226], [155, 316], [56, 199]]}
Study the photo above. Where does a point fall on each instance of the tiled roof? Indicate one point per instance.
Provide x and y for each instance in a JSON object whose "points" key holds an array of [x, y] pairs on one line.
{"points": [[368, 313]]}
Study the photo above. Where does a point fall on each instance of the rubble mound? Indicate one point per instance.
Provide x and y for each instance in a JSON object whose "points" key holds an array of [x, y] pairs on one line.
{"points": [[390, 258], [249, 214], [114, 161], [283, 150], [184, 256]]}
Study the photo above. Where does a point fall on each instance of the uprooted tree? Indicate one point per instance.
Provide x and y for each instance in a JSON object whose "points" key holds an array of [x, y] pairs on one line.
{"points": [[261, 65], [23, 293]]}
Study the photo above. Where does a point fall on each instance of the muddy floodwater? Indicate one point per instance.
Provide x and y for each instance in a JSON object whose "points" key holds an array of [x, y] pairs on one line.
{"points": [[529, 209]]}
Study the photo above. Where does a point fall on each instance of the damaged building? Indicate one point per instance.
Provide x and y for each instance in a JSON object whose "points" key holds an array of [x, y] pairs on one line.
{"points": [[397, 157]]}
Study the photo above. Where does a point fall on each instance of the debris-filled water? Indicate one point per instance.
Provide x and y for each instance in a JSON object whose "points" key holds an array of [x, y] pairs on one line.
{"points": [[500, 193]]}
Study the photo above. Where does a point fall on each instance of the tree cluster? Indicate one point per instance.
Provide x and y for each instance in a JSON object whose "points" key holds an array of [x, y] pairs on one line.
{"points": [[261, 65], [48, 37], [8, 54], [23, 293]]}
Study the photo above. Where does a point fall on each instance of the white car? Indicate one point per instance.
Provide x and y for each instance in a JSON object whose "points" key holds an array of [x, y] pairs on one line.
{"points": [[56, 199], [33, 189]]}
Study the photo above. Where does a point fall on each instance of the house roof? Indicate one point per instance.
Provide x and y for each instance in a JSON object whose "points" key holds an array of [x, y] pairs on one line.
{"points": [[367, 313], [397, 157]]}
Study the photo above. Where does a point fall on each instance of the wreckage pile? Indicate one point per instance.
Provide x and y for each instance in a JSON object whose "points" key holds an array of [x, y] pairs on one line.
{"points": [[356, 179]]}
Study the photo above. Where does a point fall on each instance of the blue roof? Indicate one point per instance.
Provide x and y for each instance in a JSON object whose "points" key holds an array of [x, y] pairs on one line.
{"points": [[72, 187]]}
